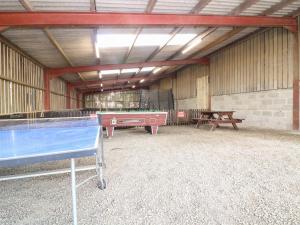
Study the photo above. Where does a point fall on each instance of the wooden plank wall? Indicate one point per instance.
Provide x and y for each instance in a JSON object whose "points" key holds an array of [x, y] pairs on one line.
{"points": [[73, 99], [21, 82], [58, 94], [263, 61], [184, 84]]}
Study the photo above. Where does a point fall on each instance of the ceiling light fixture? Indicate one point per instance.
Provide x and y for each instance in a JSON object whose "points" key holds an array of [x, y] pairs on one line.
{"points": [[97, 50], [147, 69], [132, 70], [157, 70], [142, 80], [133, 86], [108, 72], [101, 85], [192, 45]]}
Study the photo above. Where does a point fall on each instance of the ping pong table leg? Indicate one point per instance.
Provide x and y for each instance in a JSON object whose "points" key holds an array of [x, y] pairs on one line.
{"points": [[73, 184], [100, 160]]}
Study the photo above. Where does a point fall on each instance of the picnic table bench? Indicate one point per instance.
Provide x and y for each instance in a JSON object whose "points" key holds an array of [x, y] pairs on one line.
{"points": [[215, 118]]}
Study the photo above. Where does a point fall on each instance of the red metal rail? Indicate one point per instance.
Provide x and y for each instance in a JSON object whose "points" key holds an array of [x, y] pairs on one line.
{"points": [[47, 19], [56, 72]]}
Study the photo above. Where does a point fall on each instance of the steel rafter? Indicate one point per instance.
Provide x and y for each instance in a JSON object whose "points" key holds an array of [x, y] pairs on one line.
{"points": [[54, 19], [56, 72]]}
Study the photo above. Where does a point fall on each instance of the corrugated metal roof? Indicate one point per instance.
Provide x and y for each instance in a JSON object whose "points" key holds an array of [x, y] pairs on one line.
{"points": [[35, 43], [10, 5], [221, 7], [121, 6], [60, 5], [174, 6], [260, 7], [240, 35], [288, 9], [212, 37], [77, 44], [90, 75], [72, 77]]}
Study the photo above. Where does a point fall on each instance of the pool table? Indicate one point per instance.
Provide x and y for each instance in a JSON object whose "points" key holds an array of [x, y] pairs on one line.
{"points": [[150, 120]]}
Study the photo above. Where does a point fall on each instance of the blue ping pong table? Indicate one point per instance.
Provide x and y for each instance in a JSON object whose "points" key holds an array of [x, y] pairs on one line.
{"points": [[24, 142]]}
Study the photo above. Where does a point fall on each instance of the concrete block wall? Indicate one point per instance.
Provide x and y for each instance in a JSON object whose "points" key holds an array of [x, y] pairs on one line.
{"points": [[264, 109], [188, 103]]}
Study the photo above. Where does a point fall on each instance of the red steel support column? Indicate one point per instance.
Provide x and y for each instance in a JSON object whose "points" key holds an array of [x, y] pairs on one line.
{"points": [[68, 96], [47, 79]]}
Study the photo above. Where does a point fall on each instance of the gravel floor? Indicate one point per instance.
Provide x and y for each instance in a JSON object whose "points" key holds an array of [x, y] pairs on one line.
{"points": [[181, 176]]}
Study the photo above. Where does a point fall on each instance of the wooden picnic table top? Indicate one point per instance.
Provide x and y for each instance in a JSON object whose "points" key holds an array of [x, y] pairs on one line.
{"points": [[211, 112]]}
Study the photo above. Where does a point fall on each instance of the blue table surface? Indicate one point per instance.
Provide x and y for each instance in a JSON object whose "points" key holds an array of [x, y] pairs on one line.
{"points": [[29, 140]]}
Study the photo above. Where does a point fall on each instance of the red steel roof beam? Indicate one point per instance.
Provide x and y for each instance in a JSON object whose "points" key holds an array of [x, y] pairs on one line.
{"points": [[42, 19], [56, 72]]}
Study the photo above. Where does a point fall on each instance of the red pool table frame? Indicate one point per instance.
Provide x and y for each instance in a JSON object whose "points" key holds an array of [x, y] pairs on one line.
{"points": [[150, 120]]}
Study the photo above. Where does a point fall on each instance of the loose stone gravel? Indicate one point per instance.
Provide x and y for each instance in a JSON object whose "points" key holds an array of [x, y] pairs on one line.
{"points": [[181, 176]]}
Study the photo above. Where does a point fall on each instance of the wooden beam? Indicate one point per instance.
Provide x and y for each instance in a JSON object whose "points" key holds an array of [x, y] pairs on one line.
{"points": [[93, 6], [201, 35], [26, 5], [150, 6], [243, 6], [219, 40], [137, 33], [296, 82], [200, 6]]}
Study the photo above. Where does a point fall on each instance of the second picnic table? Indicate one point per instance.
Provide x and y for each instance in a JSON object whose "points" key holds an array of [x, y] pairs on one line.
{"points": [[215, 118]]}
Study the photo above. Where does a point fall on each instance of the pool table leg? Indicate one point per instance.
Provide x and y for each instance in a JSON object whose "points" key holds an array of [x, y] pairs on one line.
{"points": [[110, 131], [154, 129]]}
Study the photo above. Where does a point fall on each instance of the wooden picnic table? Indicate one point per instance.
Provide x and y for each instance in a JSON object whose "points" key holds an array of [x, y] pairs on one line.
{"points": [[215, 118]]}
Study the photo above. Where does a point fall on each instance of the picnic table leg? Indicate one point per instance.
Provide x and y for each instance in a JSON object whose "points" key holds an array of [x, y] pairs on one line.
{"points": [[214, 126], [233, 123]]}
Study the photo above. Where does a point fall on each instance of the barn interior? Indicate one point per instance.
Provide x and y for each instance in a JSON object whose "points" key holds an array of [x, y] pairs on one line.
{"points": [[220, 79]]}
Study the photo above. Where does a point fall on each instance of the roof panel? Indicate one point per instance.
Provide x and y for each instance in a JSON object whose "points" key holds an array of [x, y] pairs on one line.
{"points": [[60, 5], [213, 36], [240, 35], [77, 44], [140, 54], [288, 9], [93, 75], [260, 7], [35, 43], [112, 55], [71, 77], [121, 6], [221, 7], [174, 6], [11, 5]]}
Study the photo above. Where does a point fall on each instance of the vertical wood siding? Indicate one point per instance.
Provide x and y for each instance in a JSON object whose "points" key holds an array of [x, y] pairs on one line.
{"points": [[264, 61], [184, 84], [21, 82], [58, 94]]}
